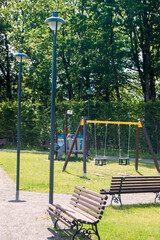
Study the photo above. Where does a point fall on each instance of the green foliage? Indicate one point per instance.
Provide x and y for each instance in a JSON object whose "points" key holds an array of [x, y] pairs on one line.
{"points": [[8, 113], [111, 47], [35, 122], [100, 46]]}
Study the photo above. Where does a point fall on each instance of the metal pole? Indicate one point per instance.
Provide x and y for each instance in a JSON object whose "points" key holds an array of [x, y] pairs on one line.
{"points": [[84, 146], [18, 129], [66, 132], [88, 106], [52, 118], [88, 123], [137, 148]]}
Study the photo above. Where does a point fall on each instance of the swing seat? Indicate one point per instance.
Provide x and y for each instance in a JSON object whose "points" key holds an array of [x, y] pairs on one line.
{"points": [[100, 161], [124, 161]]}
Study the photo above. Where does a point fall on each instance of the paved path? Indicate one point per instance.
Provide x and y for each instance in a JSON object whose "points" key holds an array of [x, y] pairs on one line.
{"points": [[28, 218]]}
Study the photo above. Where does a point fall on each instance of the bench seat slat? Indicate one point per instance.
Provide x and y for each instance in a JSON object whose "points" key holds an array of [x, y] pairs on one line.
{"points": [[136, 185], [67, 210], [63, 217], [90, 219], [135, 182], [138, 177], [111, 191], [75, 214]]}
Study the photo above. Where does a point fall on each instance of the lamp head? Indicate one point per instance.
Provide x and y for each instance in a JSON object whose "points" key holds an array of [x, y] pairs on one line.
{"points": [[20, 56], [89, 91], [54, 22]]}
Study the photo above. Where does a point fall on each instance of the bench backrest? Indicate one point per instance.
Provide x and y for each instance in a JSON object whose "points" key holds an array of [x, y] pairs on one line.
{"points": [[88, 202], [135, 184]]}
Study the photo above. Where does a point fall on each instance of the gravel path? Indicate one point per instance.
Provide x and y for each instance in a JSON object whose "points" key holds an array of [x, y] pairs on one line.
{"points": [[28, 218]]}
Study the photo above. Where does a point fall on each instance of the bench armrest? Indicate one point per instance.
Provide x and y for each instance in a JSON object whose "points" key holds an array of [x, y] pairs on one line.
{"points": [[105, 191]]}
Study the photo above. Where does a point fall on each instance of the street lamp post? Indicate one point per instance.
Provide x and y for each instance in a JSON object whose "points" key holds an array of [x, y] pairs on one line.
{"points": [[20, 56], [88, 93], [54, 23]]}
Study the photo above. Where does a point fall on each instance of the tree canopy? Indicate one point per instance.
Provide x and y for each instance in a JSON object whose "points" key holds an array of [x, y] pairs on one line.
{"points": [[109, 46]]}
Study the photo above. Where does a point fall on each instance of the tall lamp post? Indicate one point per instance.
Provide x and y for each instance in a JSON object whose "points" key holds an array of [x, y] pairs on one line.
{"points": [[20, 56], [88, 93], [54, 23]]}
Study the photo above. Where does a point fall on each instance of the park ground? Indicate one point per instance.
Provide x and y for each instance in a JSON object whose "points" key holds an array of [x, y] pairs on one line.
{"points": [[28, 218]]}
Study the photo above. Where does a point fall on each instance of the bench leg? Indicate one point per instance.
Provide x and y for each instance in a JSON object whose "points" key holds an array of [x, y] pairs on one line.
{"points": [[86, 232], [96, 231], [55, 224], [157, 197], [116, 199], [78, 230]]}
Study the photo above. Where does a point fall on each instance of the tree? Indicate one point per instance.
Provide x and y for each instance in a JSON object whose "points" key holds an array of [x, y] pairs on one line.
{"points": [[5, 55], [142, 25]]}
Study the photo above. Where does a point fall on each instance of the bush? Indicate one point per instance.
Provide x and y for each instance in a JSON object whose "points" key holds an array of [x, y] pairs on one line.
{"points": [[35, 120]]}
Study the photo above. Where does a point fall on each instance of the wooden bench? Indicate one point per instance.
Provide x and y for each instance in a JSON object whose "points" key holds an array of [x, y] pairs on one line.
{"points": [[132, 184], [3, 141], [45, 144], [85, 207]]}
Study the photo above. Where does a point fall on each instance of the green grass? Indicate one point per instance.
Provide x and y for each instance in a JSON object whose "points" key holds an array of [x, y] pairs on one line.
{"points": [[133, 222], [138, 222], [34, 172]]}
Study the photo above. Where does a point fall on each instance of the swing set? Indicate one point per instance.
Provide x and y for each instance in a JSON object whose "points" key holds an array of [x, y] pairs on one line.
{"points": [[140, 124], [102, 160]]}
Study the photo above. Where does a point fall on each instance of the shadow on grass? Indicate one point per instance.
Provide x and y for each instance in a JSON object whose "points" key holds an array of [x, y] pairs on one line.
{"points": [[73, 159], [139, 173], [140, 163], [137, 206], [66, 234], [82, 177], [148, 165]]}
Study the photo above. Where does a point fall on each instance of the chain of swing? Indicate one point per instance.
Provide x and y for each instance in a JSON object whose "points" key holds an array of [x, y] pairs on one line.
{"points": [[119, 139], [69, 121]]}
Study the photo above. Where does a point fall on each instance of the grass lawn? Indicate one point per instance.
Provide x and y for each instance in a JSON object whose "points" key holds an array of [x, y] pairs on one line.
{"points": [[133, 222]]}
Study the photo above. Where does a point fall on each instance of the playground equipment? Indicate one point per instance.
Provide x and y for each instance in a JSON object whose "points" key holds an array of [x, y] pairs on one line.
{"points": [[123, 160], [64, 142], [100, 161], [139, 124]]}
